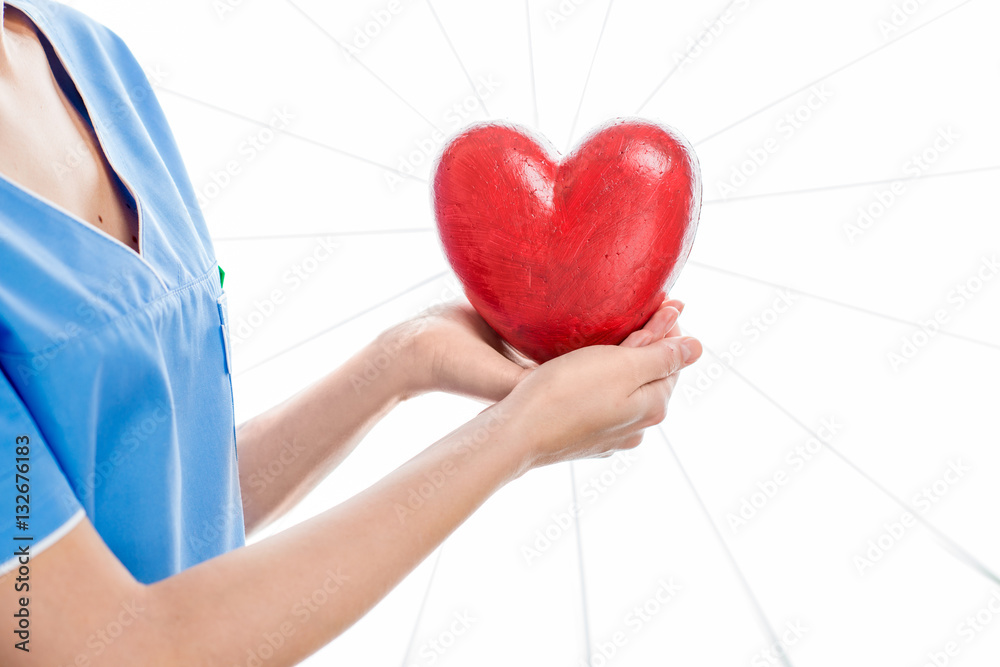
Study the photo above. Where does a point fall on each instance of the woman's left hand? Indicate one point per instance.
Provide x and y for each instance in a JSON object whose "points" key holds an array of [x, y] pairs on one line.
{"points": [[452, 349]]}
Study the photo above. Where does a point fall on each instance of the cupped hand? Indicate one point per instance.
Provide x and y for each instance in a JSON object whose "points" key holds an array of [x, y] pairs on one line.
{"points": [[450, 348], [599, 399]]}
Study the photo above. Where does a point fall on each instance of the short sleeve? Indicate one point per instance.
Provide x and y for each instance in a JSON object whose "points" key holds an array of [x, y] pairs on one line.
{"points": [[48, 509]]}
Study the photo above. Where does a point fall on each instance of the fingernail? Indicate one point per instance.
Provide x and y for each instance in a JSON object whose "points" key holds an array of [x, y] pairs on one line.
{"points": [[690, 348]]}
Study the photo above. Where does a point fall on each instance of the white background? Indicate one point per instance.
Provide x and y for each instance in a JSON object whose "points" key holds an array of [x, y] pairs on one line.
{"points": [[224, 68]]}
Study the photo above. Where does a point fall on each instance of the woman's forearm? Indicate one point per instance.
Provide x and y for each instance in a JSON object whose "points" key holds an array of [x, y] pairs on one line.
{"points": [[285, 452], [308, 584]]}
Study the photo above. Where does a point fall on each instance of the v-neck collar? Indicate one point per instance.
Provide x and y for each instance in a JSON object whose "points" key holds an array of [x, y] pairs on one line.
{"points": [[41, 25]]}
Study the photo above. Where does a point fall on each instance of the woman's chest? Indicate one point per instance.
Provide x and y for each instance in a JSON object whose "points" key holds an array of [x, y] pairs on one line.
{"points": [[52, 152]]}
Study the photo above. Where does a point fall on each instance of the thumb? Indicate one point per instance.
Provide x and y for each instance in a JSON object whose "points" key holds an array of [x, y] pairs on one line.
{"points": [[665, 357]]}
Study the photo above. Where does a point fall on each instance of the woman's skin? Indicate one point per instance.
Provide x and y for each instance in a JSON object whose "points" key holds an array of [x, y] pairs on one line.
{"points": [[40, 131], [303, 587]]}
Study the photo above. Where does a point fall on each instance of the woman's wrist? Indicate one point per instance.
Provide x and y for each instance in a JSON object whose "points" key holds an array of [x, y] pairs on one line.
{"points": [[395, 360], [501, 433]]}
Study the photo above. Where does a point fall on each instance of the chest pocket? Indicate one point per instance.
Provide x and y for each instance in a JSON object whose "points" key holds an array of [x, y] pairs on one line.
{"points": [[222, 303]]}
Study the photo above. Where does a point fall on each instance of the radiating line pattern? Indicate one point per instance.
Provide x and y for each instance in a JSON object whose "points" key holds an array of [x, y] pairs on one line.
{"points": [[531, 61], [365, 67], [584, 597], [845, 186], [334, 327], [283, 131], [860, 309], [680, 62], [586, 81], [461, 63], [957, 550], [758, 608], [408, 653], [826, 76]]}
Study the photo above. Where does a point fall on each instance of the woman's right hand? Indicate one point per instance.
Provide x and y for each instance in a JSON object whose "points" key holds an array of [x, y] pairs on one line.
{"points": [[599, 399]]}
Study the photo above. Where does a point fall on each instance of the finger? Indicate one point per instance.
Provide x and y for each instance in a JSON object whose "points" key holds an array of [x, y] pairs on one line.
{"points": [[676, 303], [637, 338], [612, 447], [653, 398], [664, 358], [693, 346], [675, 330], [661, 321]]}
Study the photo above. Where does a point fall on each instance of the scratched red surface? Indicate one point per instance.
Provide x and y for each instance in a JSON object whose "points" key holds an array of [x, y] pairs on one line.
{"points": [[559, 254]]}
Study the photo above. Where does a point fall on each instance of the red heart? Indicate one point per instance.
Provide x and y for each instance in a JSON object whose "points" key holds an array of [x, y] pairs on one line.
{"points": [[556, 255]]}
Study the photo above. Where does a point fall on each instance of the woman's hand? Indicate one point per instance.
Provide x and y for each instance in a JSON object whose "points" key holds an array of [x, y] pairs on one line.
{"points": [[599, 399], [452, 349]]}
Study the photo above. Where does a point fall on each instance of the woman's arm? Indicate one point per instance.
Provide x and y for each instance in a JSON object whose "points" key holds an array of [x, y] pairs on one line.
{"points": [[296, 591], [285, 452]]}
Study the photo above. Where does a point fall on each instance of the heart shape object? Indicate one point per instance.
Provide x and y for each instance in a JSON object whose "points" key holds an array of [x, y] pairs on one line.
{"points": [[560, 254]]}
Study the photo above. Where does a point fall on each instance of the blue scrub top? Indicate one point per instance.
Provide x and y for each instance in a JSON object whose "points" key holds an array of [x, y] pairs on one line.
{"points": [[115, 366]]}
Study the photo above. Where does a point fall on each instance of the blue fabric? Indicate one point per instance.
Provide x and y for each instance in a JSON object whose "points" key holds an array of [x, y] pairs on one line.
{"points": [[115, 364]]}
